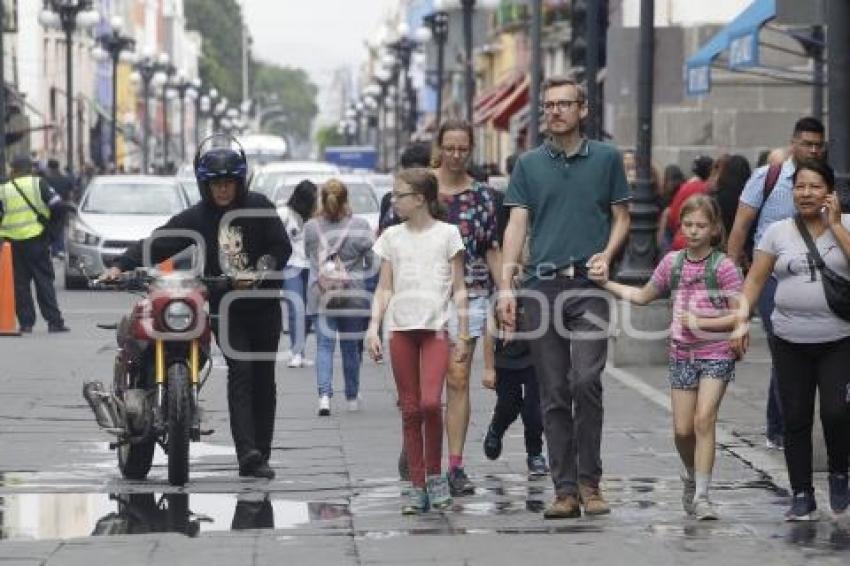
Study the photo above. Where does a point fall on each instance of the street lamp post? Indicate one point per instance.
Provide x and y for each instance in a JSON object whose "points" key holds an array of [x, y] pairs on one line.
{"points": [[169, 70], [68, 15], [534, 97], [438, 24], [115, 45], [637, 263], [149, 72], [184, 89]]}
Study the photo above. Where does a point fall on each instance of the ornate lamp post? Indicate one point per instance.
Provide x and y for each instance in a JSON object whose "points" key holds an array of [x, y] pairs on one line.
{"points": [[69, 15], [468, 7], [149, 73], [117, 47], [437, 28], [169, 71], [184, 89]]}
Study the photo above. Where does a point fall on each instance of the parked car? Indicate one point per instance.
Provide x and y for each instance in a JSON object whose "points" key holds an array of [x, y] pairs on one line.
{"points": [[115, 211], [361, 194], [185, 177], [266, 179], [383, 184]]}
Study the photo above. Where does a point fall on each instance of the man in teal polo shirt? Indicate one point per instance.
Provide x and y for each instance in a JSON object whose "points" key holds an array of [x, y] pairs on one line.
{"points": [[570, 195]]}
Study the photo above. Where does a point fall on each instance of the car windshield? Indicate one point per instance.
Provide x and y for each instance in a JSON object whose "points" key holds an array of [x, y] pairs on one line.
{"points": [[129, 198], [266, 183], [190, 187], [360, 196]]}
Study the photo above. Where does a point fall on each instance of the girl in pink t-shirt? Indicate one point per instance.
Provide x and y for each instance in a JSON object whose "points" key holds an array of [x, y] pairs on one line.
{"points": [[704, 285]]}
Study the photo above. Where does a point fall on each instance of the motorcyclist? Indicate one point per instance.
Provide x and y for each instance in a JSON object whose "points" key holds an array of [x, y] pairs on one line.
{"points": [[253, 324]]}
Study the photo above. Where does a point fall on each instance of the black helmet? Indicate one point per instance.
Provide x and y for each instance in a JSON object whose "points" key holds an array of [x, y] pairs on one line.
{"points": [[220, 163]]}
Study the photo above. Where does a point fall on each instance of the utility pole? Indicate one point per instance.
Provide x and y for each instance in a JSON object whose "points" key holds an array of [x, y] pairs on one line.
{"points": [[2, 93], [592, 69], [838, 85], [536, 74]]}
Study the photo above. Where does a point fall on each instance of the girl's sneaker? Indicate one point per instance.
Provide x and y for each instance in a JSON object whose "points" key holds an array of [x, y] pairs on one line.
{"points": [[439, 494], [803, 507], [416, 501], [839, 493], [703, 509]]}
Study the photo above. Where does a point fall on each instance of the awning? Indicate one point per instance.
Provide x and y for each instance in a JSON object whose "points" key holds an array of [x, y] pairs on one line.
{"points": [[488, 102], [740, 37], [515, 102]]}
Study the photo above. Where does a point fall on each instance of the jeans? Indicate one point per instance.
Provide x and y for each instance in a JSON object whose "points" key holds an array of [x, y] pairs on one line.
{"points": [[775, 426], [32, 263], [511, 403], [326, 332], [569, 368], [802, 369], [298, 322]]}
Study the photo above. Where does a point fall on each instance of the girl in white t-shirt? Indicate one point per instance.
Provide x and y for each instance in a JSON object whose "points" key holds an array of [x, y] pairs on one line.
{"points": [[421, 271]]}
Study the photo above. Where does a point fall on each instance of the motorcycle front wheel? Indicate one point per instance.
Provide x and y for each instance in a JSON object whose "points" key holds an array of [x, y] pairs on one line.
{"points": [[179, 412]]}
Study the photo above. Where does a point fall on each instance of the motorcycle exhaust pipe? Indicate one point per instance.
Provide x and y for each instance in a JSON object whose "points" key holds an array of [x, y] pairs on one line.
{"points": [[101, 404]]}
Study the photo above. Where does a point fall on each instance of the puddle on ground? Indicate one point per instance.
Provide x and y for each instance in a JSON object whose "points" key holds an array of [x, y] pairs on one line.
{"points": [[36, 516]]}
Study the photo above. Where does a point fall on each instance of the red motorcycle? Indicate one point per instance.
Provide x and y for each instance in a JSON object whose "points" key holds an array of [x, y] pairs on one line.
{"points": [[162, 363]]}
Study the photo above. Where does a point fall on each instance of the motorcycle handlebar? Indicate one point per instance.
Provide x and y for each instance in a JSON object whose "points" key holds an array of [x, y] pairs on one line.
{"points": [[140, 279]]}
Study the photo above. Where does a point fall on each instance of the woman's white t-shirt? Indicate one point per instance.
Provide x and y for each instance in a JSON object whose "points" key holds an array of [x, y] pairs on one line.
{"points": [[422, 274]]}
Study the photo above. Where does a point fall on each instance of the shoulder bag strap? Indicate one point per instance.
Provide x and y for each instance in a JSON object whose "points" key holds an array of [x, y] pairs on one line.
{"points": [[41, 217], [810, 243], [333, 250]]}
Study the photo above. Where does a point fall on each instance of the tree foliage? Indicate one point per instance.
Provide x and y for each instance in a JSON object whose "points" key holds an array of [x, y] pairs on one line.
{"points": [[220, 23], [328, 136], [290, 91]]}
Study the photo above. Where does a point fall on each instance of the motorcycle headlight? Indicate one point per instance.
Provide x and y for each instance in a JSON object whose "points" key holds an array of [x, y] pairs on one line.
{"points": [[178, 316]]}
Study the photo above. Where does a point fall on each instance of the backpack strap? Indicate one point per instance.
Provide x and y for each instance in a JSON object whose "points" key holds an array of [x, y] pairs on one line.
{"points": [[330, 251], [710, 277], [770, 180], [676, 271]]}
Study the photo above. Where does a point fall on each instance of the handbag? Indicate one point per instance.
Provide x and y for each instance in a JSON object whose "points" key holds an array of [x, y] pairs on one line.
{"points": [[835, 287]]}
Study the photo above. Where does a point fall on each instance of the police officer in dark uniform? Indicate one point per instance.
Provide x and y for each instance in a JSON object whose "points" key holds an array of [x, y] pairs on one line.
{"points": [[235, 248]]}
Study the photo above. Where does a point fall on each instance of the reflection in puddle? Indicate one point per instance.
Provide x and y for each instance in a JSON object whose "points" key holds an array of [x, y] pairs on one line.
{"points": [[62, 516]]}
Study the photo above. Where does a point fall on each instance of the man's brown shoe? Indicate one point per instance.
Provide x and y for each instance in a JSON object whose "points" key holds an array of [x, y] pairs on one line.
{"points": [[594, 503], [564, 507]]}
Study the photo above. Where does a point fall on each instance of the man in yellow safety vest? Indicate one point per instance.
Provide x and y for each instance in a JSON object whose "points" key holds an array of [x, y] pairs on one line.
{"points": [[25, 209]]}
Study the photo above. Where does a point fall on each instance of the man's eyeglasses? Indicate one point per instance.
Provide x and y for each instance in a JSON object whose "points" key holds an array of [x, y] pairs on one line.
{"points": [[561, 105], [455, 150], [398, 196], [810, 145]]}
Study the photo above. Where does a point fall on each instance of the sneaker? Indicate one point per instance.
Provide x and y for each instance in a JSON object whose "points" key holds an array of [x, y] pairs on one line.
{"points": [[58, 328], [537, 467], [459, 483], [563, 507], [296, 361], [26, 330], [439, 494], [354, 405], [592, 500], [803, 507], [324, 406], [492, 444], [703, 509], [689, 489], [416, 501], [250, 462], [775, 442], [839, 494], [403, 470]]}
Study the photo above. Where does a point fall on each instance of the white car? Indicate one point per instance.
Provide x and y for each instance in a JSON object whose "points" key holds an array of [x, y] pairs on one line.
{"points": [[266, 178], [361, 194], [114, 212]]}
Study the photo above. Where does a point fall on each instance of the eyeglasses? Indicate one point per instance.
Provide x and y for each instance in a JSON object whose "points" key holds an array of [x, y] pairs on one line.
{"points": [[810, 145], [448, 150], [561, 105], [397, 196]]}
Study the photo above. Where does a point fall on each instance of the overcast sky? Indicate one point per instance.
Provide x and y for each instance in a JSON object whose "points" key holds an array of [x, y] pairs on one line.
{"points": [[317, 35]]}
